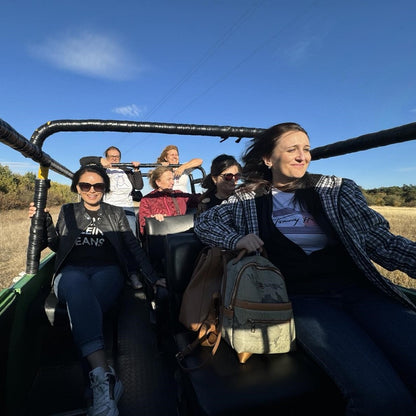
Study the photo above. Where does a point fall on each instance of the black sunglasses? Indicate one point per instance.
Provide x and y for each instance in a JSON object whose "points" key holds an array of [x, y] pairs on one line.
{"points": [[230, 176], [85, 186]]}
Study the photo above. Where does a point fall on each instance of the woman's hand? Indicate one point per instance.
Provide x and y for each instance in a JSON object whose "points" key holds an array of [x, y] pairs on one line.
{"points": [[159, 217], [250, 242], [32, 209], [160, 282], [178, 172]]}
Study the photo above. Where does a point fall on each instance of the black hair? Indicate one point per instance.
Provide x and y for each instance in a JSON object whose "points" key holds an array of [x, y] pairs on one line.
{"points": [[218, 165], [90, 168]]}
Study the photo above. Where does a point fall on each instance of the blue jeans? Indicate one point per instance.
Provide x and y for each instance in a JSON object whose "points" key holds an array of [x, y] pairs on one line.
{"points": [[132, 219], [366, 342], [88, 292]]}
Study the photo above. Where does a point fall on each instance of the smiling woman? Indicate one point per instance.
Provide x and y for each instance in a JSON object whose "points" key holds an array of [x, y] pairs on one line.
{"points": [[324, 238], [95, 250]]}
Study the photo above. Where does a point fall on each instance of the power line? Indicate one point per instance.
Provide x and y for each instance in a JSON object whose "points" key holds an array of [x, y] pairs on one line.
{"points": [[210, 52]]}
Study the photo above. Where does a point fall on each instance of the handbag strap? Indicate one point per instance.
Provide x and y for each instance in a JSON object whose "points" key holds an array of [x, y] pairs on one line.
{"points": [[178, 211], [208, 329]]}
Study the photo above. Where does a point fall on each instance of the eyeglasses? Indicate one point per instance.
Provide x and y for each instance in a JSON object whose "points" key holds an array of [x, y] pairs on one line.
{"points": [[113, 156], [85, 186], [231, 177]]}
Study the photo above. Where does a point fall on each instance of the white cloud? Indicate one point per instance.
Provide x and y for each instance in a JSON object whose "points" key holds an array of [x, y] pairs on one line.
{"points": [[129, 110], [88, 53]]}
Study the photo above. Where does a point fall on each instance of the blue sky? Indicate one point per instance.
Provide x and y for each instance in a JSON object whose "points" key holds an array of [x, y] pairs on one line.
{"points": [[339, 68]]}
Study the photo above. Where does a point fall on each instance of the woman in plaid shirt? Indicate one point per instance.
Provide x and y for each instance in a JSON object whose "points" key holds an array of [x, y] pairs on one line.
{"points": [[356, 324]]}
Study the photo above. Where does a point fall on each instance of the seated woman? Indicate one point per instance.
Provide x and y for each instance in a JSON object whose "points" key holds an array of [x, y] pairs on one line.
{"points": [[125, 185], [163, 200], [220, 183], [321, 233], [95, 251], [170, 156]]}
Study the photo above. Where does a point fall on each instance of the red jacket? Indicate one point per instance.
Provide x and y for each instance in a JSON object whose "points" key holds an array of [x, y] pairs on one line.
{"points": [[162, 202]]}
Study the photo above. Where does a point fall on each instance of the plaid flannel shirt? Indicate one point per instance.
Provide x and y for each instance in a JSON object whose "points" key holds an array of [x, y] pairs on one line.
{"points": [[364, 232]]}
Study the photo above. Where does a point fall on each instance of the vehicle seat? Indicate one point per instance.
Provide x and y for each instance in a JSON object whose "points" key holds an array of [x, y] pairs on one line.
{"points": [[154, 232], [283, 384], [154, 245]]}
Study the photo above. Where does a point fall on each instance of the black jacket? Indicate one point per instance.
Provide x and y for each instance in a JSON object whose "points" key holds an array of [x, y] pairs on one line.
{"points": [[73, 218]]}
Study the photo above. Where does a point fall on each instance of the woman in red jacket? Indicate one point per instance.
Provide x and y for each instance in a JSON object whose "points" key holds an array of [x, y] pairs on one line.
{"points": [[163, 200]]}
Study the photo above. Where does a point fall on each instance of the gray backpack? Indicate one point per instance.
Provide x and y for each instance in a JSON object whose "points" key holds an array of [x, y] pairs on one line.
{"points": [[257, 316]]}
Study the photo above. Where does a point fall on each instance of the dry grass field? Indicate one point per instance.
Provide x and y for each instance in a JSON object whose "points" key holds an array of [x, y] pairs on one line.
{"points": [[14, 226], [14, 235]]}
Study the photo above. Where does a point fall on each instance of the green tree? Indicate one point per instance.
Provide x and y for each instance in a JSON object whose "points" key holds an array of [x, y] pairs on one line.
{"points": [[7, 179], [17, 191]]}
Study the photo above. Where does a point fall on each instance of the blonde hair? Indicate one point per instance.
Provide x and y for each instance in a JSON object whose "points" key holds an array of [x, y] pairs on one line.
{"points": [[162, 157]]}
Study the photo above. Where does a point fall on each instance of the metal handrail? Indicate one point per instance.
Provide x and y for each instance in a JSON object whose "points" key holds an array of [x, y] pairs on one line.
{"points": [[192, 180]]}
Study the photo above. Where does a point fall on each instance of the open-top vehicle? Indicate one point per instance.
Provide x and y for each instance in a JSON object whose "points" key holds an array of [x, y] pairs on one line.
{"points": [[40, 370]]}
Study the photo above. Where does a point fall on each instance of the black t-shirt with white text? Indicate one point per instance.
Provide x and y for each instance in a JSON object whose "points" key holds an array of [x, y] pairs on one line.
{"points": [[92, 248]]}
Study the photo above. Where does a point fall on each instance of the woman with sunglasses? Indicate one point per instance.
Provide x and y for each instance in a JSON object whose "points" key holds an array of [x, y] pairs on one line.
{"points": [[221, 182], [95, 251], [125, 185]]}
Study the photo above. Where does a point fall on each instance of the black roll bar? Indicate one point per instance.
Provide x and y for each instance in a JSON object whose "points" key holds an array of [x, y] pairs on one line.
{"points": [[51, 127], [13, 139], [366, 141], [33, 149], [44, 131]]}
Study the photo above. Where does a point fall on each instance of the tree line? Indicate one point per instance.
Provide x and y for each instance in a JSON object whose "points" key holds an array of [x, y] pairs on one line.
{"points": [[394, 196], [16, 192]]}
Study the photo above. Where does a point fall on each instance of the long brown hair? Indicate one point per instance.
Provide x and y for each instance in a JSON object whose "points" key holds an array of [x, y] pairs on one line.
{"points": [[162, 157], [256, 174]]}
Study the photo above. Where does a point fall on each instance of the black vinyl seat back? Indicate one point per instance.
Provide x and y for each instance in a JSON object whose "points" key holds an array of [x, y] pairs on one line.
{"points": [[154, 245], [170, 225], [155, 232], [182, 251]]}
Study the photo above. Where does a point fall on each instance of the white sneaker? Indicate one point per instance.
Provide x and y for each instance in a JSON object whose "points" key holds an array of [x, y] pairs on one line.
{"points": [[134, 282], [106, 390]]}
